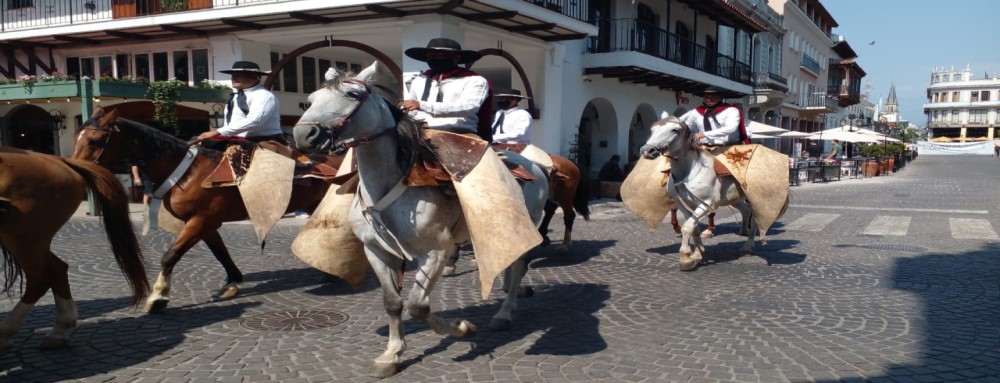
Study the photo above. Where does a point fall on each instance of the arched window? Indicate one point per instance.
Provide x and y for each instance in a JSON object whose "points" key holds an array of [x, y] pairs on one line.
{"points": [[683, 47]]}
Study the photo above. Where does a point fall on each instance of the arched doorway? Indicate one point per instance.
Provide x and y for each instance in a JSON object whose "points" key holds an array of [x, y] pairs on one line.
{"points": [[646, 30], [638, 131], [30, 127], [597, 136], [683, 48]]}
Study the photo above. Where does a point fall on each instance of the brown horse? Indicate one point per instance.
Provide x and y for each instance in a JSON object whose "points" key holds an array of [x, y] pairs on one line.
{"points": [[108, 140], [38, 194], [568, 192]]}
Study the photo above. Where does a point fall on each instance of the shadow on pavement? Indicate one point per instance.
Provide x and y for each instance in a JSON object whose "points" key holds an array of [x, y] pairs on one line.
{"points": [[106, 345], [283, 280], [563, 314], [580, 251]]}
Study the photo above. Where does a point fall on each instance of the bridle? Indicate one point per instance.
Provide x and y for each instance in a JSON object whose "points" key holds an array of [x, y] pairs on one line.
{"points": [[107, 139], [663, 149], [332, 128]]}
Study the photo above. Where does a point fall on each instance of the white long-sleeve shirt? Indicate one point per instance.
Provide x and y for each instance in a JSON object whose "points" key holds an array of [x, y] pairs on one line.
{"points": [[263, 118], [725, 132], [516, 127], [460, 102]]}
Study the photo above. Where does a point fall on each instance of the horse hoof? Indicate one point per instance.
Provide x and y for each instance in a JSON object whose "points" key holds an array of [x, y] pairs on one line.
{"points": [[707, 234], [688, 265], [464, 329], [50, 343], [448, 271], [500, 324], [226, 293], [525, 292], [746, 251], [383, 370], [156, 306], [546, 241], [677, 229]]}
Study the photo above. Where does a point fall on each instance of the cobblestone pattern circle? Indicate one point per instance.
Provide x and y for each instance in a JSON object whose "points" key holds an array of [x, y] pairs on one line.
{"points": [[294, 320]]}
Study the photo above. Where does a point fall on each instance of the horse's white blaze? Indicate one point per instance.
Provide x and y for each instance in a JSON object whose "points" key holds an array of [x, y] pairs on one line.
{"points": [[812, 222], [887, 225], [972, 228]]}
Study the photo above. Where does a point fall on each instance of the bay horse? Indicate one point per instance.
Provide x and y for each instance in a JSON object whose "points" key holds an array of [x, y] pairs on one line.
{"points": [[38, 195], [695, 187], [570, 193], [109, 140], [426, 222]]}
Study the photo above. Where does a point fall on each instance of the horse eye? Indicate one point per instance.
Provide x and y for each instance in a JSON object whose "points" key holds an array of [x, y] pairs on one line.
{"points": [[354, 94]]}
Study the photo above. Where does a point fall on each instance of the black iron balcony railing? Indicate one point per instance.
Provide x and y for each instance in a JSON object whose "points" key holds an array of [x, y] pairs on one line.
{"points": [[616, 35], [770, 81], [29, 14], [577, 9], [843, 90], [810, 63]]}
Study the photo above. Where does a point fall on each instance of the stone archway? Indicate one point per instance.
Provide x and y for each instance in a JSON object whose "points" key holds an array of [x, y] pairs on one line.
{"points": [[30, 127], [397, 73], [638, 130], [597, 135], [520, 73]]}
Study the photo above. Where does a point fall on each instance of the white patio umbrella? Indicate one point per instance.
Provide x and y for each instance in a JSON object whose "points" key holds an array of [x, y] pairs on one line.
{"points": [[843, 134], [794, 134], [755, 128]]}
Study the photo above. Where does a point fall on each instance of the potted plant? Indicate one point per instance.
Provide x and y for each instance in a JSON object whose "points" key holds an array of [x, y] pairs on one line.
{"points": [[874, 155], [173, 5]]}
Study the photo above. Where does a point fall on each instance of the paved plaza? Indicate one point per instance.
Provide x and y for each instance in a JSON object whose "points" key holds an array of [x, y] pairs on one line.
{"points": [[887, 279]]}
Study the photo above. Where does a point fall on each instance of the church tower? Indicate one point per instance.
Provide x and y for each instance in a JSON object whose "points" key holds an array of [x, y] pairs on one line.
{"points": [[890, 116]]}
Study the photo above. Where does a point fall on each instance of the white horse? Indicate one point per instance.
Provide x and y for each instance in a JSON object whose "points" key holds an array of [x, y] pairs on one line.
{"points": [[426, 223], [695, 187]]}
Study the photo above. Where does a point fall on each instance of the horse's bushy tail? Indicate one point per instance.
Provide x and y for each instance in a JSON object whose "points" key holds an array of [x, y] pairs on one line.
{"points": [[12, 273], [114, 207], [581, 199]]}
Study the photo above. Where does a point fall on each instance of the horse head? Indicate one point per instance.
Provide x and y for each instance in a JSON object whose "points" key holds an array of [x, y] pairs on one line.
{"points": [[100, 139], [670, 136], [344, 112]]}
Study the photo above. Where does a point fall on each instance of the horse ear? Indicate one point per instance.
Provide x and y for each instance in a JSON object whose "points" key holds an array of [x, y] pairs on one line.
{"points": [[98, 112], [332, 74], [664, 115], [106, 117], [371, 72]]}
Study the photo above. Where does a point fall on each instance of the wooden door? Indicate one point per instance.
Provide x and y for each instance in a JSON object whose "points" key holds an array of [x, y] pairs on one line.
{"points": [[122, 9], [199, 4]]}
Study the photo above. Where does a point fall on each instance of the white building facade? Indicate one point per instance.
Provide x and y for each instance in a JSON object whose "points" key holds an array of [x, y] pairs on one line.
{"points": [[961, 108], [599, 71]]}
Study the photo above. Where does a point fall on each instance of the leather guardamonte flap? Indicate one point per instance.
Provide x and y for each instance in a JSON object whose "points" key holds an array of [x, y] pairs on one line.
{"points": [[457, 153]]}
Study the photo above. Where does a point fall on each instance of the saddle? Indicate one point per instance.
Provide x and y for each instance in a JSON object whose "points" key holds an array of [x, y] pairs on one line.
{"points": [[445, 157], [553, 173], [236, 162]]}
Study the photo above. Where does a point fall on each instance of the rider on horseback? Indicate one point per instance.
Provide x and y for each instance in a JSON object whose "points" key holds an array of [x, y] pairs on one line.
{"points": [[716, 123], [252, 110]]}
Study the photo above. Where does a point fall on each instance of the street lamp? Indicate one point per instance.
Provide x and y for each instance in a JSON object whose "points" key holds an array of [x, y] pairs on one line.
{"points": [[850, 121], [58, 119], [217, 115]]}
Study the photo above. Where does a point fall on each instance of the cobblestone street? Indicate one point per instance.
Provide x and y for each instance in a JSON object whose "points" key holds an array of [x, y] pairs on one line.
{"points": [[888, 279]]}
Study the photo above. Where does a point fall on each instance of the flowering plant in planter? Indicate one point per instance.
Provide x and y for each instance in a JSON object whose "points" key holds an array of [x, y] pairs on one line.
{"points": [[27, 81]]}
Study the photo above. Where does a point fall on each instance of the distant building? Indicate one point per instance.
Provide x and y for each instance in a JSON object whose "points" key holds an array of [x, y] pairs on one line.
{"points": [[960, 108]]}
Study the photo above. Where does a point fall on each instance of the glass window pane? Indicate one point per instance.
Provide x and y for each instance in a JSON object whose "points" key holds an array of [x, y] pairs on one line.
{"points": [[181, 66], [87, 67], [142, 66], [161, 66], [121, 66], [324, 65], [291, 76], [105, 67], [308, 74], [72, 66], [199, 61]]}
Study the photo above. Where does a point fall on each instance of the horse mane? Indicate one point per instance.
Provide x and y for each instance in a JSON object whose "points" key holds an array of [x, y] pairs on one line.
{"points": [[409, 145], [158, 143]]}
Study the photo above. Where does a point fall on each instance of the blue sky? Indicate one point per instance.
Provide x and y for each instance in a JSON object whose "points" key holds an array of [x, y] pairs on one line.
{"points": [[913, 36]]}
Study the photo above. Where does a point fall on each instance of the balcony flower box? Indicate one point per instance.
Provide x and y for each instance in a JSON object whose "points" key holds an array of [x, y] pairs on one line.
{"points": [[123, 89], [204, 95], [40, 90]]}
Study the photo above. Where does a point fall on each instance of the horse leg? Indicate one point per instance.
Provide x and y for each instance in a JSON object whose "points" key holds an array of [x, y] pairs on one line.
{"points": [[688, 258], [710, 231], [751, 227], [418, 303], [234, 278], [550, 211], [451, 264], [189, 236], [673, 221], [389, 271], [31, 260], [568, 217], [512, 278], [66, 314]]}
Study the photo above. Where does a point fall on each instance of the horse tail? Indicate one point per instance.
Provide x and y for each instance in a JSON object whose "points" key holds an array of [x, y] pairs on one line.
{"points": [[581, 198], [117, 225], [12, 273]]}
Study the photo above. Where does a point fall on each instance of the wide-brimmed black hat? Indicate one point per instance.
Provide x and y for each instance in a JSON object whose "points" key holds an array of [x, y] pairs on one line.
{"points": [[715, 90], [509, 92], [443, 44], [246, 67]]}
